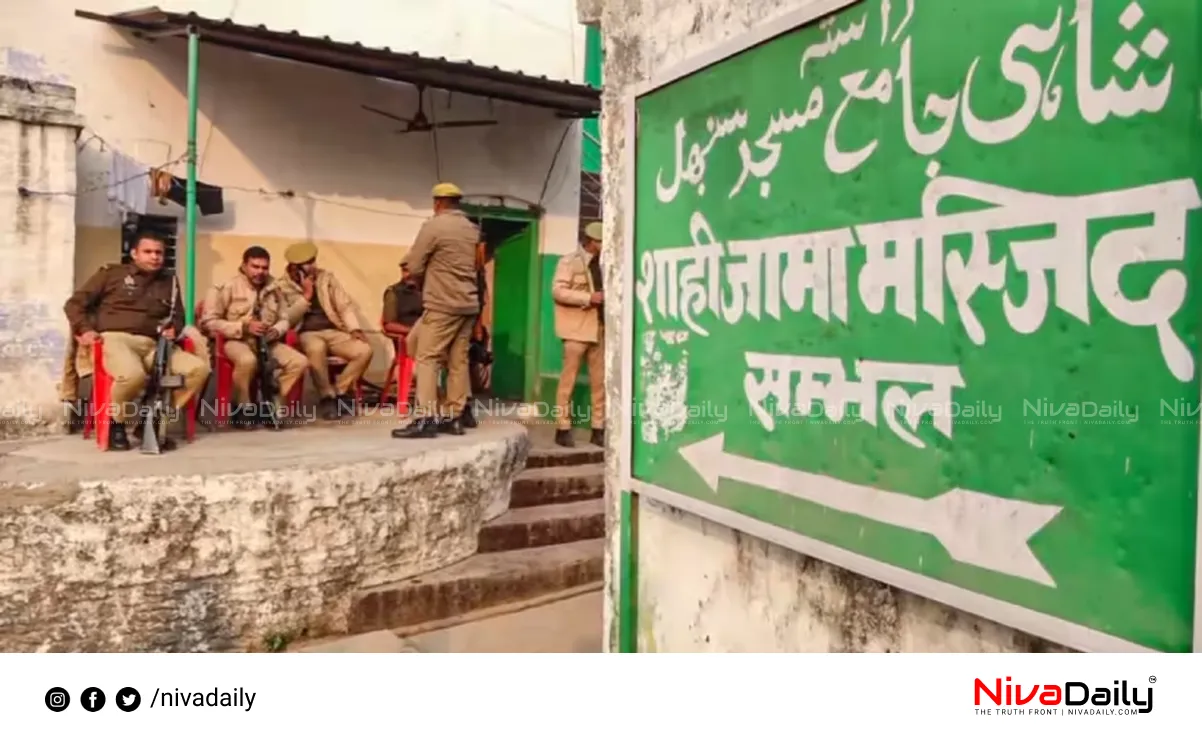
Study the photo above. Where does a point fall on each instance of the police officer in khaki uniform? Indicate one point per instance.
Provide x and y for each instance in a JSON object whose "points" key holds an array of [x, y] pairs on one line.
{"points": [[579, 323], [443, 262], [126, 306], [230, 311], [328, 326]]}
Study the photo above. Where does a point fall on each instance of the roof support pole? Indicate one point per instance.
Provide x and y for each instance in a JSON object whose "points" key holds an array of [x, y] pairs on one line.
{"points": [[193, 105]]}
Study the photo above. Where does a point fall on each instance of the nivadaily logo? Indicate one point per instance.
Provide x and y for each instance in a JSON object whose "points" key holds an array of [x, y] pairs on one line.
{"points": [[1068, 698]]}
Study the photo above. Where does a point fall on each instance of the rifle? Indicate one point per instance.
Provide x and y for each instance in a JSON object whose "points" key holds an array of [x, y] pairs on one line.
{"points": [[161, 384], [268, 388]]}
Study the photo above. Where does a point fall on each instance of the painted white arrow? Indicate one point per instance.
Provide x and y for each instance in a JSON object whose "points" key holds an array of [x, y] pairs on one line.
{"points": [[975, 528]]}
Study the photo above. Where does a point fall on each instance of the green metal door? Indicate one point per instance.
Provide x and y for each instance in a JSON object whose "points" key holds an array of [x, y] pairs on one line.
{"points": [[511, 310]]}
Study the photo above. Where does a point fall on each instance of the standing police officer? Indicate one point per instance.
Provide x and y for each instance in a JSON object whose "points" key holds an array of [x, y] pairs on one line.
{"points": [[580, 323], [443, 262]]}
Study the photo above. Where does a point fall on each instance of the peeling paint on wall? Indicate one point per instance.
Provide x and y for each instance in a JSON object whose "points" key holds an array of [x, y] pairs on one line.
{"points": [[28, 66], [665, 384], [38, 128], [28, 334]]}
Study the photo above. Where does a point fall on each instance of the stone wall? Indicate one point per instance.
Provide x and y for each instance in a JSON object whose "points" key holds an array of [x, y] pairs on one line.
{"points": [[38, 128], [252, 540]]}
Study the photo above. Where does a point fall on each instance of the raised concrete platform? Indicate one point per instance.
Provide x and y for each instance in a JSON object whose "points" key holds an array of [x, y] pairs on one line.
{"points": [[236, 538]]}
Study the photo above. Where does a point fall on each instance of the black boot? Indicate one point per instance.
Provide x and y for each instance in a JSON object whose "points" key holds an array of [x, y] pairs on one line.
{"points": [[469, 417], [422, 428], [245, 418], [118, 440], [564, 439], [598, 438], [453, 426], [328, 408]]}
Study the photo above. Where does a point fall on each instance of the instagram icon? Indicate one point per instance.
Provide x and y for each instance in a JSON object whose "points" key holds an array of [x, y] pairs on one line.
{"points": [[57, 699]]}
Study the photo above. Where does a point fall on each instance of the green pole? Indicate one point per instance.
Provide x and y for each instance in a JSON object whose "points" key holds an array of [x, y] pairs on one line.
{"points": [[628, 576], [190, 248]]}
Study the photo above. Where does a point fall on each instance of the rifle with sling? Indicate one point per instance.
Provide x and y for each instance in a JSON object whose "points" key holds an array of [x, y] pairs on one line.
{"points": [[267, 386], [161, 384]]}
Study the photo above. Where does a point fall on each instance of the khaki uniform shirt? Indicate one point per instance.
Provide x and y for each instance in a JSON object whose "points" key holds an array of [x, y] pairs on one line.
{"points": [[443, 261], [572, 288], [229, 307], [338, 305]]}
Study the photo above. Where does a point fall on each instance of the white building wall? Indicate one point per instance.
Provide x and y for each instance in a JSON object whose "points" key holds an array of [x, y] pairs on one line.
{"points": [[702, 586], [271, 124], [37, 249], [291, 145]]}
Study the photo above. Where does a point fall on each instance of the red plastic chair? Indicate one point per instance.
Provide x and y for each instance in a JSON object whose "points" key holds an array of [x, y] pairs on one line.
{"points": [[400, 373], [224, 369], [98, 418]]}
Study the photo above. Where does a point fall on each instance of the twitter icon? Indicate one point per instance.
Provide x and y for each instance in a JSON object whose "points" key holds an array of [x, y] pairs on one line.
{"points": [[128, 699]]}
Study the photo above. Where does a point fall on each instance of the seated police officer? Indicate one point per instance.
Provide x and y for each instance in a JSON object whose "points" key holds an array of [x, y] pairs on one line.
{"points": [[402, 310], [328, 326], [247, 310], [402, 306], [128, 307]]}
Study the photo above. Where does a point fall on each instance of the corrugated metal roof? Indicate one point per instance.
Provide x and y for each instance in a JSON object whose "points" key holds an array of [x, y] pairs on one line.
{"points": [[566, 97]]}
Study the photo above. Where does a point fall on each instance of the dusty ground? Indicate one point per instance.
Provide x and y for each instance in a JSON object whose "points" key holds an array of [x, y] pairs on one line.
{"points": [[569, 626], [572, 625]]}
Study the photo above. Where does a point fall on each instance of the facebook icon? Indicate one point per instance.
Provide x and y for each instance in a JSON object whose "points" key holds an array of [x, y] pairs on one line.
{"points": [[92, 699]]}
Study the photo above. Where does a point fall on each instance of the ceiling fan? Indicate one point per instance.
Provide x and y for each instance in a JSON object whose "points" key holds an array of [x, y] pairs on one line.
{"points": [[419, 122]]}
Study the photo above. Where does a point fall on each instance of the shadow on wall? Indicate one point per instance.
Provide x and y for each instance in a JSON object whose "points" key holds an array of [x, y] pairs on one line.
{"points": [[304, 130]]}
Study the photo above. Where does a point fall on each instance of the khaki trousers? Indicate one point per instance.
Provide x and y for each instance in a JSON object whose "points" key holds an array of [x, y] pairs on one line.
{"points": [[594, 355], [411, 340], [411, 351], [319, 345], [128, 359], [442, 339], [242, 355]]}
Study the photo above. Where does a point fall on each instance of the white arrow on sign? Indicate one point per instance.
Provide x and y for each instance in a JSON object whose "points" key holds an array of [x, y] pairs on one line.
{"points": [[975, 528]]}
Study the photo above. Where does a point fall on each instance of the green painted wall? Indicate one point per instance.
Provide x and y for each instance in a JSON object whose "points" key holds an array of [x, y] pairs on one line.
{"points": [[934, 300], [550, 349], [594, 59]]}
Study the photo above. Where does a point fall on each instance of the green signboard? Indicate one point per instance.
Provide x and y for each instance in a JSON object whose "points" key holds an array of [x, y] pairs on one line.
{"points": [[910, 288]]}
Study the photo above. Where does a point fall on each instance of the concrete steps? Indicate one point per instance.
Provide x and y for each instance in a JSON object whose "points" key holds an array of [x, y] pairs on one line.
{"points": [[479, 582], [549, 545], [542, 526], [557, 456], [548, 485]]}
